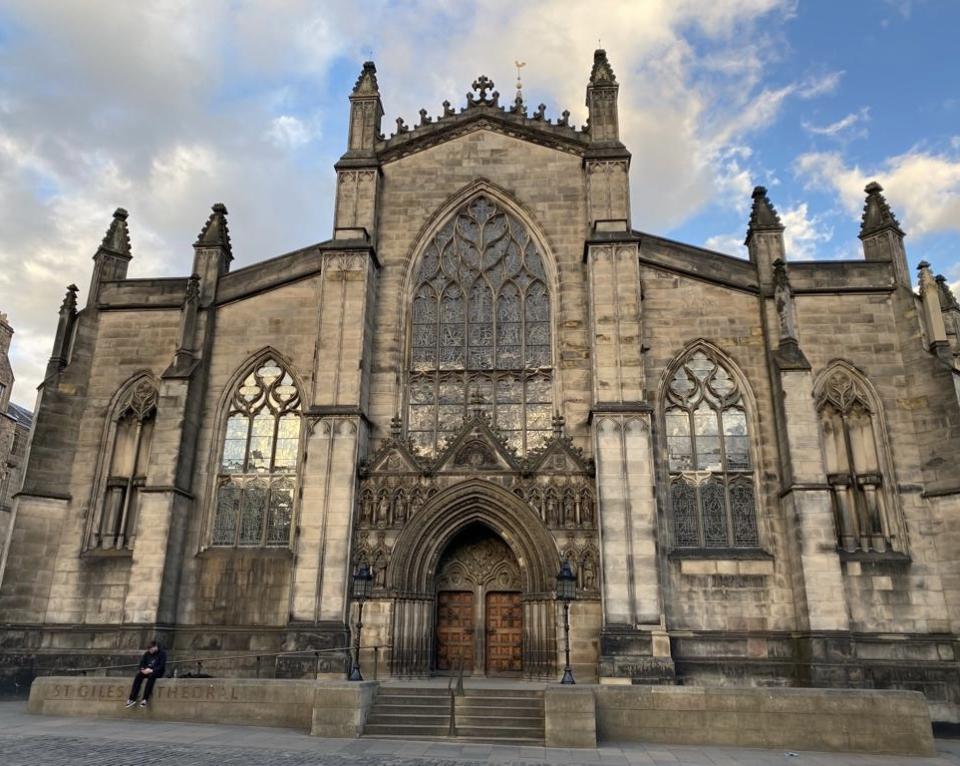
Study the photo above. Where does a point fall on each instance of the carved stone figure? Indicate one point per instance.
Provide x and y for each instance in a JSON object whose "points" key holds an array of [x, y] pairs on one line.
{"points": [[367, 507], [379, 560], [586, 508], [569, 508], [383, 509], [399, 507], [552, 509]]}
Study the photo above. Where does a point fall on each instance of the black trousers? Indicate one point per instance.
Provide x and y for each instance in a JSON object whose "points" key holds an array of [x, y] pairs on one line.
{"points": [[135, 689]]}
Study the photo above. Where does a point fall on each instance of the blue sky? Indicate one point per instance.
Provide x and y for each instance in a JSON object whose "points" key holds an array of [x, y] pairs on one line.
{"points": [[166, 106]]}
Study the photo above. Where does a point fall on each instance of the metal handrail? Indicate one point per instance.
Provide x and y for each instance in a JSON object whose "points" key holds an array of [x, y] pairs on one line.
{"points": [[200, 660]]}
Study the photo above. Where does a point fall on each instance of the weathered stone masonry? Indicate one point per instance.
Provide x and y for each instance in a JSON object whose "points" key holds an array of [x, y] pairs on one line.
{"points": [[751, 465]]}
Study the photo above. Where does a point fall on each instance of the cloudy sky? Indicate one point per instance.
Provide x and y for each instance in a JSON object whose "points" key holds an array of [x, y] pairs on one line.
{"points": [[166, 106]]}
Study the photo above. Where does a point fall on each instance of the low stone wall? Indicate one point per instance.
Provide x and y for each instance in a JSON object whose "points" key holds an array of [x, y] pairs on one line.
{"points": [[340, 708], [570, 716], [336, 709], [799, 719]]}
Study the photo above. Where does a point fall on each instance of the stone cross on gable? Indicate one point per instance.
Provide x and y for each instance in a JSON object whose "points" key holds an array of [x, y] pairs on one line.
{"points": [[482, 84]]}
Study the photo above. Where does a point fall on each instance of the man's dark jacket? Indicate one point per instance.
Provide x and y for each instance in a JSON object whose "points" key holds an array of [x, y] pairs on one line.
{"points": [[158, 662]]}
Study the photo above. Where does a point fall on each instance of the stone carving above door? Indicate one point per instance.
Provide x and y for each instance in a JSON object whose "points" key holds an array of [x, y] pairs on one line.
{"points": [[489, 562], [555, 481]]}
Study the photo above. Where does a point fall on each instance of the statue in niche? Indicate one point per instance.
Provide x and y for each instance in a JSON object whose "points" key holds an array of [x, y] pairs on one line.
{"points": [[569, 508], [366, 507], [551, 509], [588, 571], [379, 562], [586, 509], [383, 509], [399, 507], [416, 501]]}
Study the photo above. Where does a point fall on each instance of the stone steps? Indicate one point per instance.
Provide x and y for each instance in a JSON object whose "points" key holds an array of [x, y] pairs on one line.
{"points": [[501, 716]]}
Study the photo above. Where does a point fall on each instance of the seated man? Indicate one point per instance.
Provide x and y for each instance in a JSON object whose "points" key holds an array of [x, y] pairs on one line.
{"points": [[152, 665]]}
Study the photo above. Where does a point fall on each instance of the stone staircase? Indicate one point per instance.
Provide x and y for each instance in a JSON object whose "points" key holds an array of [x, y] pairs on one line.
{"points": [[498, 716]]}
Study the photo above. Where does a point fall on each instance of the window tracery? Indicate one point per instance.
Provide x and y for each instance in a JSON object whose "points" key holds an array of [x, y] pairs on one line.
{"points": [[258, 466], [852, 439], [708, 449], [480, 331]]}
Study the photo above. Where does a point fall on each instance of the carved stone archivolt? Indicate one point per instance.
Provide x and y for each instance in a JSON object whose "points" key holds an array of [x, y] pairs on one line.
{"points": [[556, 483]]}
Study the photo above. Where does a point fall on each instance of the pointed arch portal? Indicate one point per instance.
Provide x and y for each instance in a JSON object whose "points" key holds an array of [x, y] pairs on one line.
{"points": [[473, 572]]}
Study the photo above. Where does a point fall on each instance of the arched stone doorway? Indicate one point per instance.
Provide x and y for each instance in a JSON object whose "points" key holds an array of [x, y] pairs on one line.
{"points": [[472, 520], [479, 620]]}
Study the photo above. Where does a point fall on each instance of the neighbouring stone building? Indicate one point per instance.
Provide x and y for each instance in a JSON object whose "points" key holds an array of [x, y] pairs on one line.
{"points": [[14, 436], [751, 465]]}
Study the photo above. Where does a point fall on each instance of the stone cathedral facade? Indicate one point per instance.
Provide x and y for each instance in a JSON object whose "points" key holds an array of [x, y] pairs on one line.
{"points": [[751, 465]]}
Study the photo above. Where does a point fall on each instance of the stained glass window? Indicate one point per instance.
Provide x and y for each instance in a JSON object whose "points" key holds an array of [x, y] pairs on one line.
{"points": [[480, 331], [708, 448], [258, 465]]}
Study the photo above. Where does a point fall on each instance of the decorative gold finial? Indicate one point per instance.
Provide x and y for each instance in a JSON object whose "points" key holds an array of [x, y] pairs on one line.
{"points": [[519, 65]]}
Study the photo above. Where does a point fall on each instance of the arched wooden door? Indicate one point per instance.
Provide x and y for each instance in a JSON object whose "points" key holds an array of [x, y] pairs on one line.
{"points": [[479, 613]]}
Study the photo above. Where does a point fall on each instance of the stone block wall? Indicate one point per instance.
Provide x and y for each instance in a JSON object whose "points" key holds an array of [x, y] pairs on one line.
{"points": [[743, 596]]}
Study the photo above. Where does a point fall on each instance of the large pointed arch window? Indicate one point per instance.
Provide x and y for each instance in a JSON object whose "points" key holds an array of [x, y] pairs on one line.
{"points": [[124, 474], [480, 334], [712, 495], [257, 478]]}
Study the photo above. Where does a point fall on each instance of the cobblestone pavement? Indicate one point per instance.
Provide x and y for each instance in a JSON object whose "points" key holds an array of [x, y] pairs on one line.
{"points": [[27, 740]]}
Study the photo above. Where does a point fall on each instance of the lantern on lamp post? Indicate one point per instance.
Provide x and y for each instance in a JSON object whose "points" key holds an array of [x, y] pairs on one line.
{"points": [[566, 592], [362, 584]]}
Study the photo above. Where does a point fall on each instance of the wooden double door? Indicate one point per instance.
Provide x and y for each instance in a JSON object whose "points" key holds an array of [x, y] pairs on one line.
{"points": [[483, 631]]}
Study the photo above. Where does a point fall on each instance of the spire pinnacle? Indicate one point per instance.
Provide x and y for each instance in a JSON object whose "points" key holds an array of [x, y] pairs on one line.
{"points": [[947, 299], [763, 215], [117, 238], [70, 299], [877, 214], [602, 72], [215, 232], [367, 81]]}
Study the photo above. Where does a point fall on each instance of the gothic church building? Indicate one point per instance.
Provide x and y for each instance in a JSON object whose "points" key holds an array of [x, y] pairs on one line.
{"points": [[750, 465]]}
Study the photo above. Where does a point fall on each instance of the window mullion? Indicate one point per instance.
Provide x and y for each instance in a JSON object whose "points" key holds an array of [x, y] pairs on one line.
{"points": [[691, 426], [725, 478], [273, 457]]}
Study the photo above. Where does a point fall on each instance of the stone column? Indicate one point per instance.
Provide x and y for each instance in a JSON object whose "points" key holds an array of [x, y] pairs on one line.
{"points": [[336, 443], [632, 644]]}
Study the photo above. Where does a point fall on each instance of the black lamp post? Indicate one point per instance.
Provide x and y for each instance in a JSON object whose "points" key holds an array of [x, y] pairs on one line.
{"points": [[566, 592], [362, 583]]}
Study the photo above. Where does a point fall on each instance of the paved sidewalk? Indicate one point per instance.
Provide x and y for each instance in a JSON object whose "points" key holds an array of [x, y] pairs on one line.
{"points": [[27, 740]]}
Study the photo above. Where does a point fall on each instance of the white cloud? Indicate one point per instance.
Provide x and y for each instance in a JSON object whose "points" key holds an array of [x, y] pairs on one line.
{"points": [[803, 233], [842, 127], [172, 105], [923, 188], [819, 86], [287, 131], [729, 244]]}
